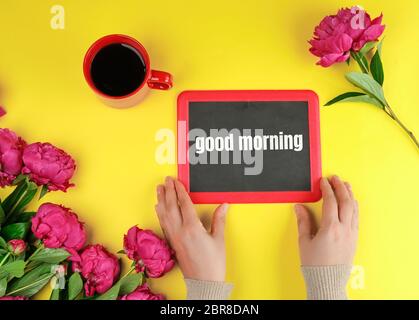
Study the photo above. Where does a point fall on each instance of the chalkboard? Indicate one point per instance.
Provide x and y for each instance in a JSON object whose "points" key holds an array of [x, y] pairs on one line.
{"points": [[249, 146]]}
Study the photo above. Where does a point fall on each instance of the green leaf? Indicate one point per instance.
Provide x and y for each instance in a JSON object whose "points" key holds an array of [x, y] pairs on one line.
{"points": [[380, 45], [50, 255], [14, 197], [25, 200], [13, 269], [55, 294], [32, 282], [3, 243], [57, 284], [2, 214], [21, 256], [130, 283], [15, 231], [32, 288], [343, 97], [25, 216], [19, 179], [377, 70], [75, 286], [32, 186], [3, 287], [44, 191], [111, 294], [122, 251], [368, 84], [365, 99], [368, 47]]}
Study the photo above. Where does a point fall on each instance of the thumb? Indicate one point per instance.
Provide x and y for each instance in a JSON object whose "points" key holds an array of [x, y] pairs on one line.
{"points": [[218, 221], [305, 221]]}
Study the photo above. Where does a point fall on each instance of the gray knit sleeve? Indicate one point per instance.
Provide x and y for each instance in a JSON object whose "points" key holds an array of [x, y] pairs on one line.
{"points": [[326, 282], [207, 290]]}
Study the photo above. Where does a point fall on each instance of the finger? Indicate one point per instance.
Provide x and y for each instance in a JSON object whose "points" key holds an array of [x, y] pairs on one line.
{"points": [[163, 224], [305, 222], [171, 204], [345, 203], [187, 208], [330, 206], [160, 206], [161, 203], [218, 221], [355, 217], [161, 196], [349, 189]]}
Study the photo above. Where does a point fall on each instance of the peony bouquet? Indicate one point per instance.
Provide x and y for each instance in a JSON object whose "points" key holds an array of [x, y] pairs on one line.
{"points": [[49, 246], [351, 34]]}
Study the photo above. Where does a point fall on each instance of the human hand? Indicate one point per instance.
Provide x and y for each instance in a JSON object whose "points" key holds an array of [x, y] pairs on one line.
{"points": [[200, 254], [334, 241]]}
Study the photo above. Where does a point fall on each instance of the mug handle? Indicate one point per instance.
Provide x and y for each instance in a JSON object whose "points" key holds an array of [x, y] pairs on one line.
{"points": [[160, 80]]}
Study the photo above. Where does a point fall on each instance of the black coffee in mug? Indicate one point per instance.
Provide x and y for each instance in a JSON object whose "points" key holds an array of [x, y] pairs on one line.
{"points": [[118, 70]]}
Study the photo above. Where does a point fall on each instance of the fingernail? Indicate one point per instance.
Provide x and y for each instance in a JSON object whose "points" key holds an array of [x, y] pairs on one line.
{"points": [[224, 208], [158, 189], [297, 209], [168, 180], [336, 178]]}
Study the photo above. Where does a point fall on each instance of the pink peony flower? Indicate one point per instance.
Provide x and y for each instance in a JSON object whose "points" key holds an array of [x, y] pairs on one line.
{"points": [[152, 254], [336, 35], [142, 293], [48, 165], [14, 298], [2, 111], [16, 246], [99, 267], [59, 227], [11, 149]]}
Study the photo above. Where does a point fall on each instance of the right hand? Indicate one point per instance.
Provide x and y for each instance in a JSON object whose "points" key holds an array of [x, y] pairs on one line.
{"points": [[334, 241]]}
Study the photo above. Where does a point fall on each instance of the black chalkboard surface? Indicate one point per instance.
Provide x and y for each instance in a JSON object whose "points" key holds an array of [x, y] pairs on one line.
{"points": [[249, 146]]}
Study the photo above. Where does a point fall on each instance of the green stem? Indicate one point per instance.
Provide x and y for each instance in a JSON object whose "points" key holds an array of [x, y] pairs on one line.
{"points": [[4, 259], [128, 273], [35, 252], [387, 109], [392, 115], [356, 56]]}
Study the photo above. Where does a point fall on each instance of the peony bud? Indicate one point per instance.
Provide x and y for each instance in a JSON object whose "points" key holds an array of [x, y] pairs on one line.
{"points": [[16, 246]]}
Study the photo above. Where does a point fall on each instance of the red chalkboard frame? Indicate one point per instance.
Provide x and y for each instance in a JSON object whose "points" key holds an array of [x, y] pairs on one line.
{"points": [[251, 95]]}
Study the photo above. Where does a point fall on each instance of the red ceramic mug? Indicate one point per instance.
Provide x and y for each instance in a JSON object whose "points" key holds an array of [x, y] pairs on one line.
{"points": [[153, 79]]}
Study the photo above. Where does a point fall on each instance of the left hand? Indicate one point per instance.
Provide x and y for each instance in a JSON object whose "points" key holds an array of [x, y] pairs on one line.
{"points": [[200, 254]]}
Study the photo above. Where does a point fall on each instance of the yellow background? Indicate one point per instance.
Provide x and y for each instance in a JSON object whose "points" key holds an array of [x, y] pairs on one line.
{"points": [[220, 44]]}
